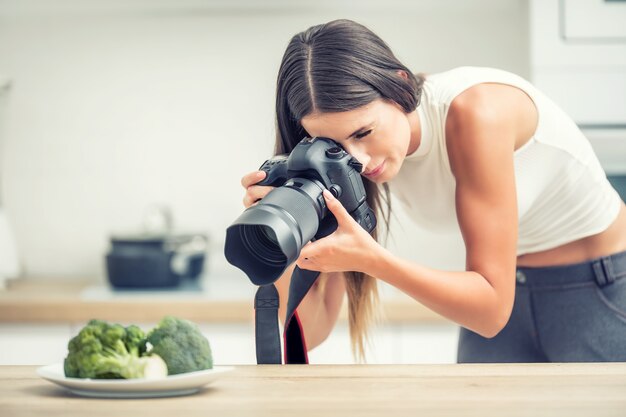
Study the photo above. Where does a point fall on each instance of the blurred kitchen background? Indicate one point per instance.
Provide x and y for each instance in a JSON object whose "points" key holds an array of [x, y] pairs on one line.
{"points": [[121, 117]]}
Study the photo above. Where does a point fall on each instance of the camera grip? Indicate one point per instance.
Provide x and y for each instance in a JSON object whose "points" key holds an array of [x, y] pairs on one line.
{"points": [[275, 170], [365, 217]]}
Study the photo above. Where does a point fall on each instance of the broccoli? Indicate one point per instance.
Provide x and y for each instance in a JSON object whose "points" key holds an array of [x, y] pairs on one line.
{"points": [[103, 350], [135, 340], [181, 345]]}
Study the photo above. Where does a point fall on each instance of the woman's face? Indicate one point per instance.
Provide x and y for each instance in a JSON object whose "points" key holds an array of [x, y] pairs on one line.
{"points": [[379, 135]]}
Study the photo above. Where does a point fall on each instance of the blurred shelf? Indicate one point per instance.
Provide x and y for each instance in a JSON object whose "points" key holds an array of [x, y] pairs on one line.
{"points": [[39, 301]]}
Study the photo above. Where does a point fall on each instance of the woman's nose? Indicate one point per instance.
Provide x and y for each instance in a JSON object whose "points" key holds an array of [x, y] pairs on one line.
{"points": [[361, 156], [363, 159]]}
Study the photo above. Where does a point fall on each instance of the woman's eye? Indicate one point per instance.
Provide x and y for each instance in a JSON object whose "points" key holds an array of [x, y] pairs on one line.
{"points": [[362, 135]]}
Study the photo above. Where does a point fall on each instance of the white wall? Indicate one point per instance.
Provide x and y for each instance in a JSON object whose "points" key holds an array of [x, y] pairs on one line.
{"points": [[116, 105]]}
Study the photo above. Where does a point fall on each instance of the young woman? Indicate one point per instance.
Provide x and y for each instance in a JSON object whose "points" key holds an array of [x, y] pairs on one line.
{"points": [[477, 149]]}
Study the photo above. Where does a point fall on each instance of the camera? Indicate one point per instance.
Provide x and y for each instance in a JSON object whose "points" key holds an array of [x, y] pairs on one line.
{"points": [[267, 237]]}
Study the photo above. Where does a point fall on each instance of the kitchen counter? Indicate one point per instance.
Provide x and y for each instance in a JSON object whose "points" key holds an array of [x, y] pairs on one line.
{"points": [[31, 301], [575, 389]]}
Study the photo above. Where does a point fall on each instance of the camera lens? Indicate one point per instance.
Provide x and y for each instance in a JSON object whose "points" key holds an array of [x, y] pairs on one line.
{"points": [[261, 242], [268, 236]]}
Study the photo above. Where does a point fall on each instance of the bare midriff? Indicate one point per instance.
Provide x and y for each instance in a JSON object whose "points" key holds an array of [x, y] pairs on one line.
{"points": [[610, 241]]}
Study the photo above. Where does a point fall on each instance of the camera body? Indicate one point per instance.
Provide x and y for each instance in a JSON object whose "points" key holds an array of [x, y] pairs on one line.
{"points": [[268, 236], [324, 162]]}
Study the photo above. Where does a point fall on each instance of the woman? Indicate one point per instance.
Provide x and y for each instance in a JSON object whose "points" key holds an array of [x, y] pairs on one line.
{"points": [[477, 149]]}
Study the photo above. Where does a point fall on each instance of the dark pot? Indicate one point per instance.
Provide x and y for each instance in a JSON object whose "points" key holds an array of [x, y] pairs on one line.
{"points": [[155, 261]]}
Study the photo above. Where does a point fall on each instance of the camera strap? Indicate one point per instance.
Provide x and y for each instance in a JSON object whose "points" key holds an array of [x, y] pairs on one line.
{"points": [[266, 332], [266, 301]]}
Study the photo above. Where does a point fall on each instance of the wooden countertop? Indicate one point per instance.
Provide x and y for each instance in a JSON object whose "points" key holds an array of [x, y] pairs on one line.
{"points": [[31, 301], [570, 390]]}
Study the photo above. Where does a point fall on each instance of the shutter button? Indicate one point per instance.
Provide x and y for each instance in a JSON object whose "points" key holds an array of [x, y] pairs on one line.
{"points": [[520, 277]]}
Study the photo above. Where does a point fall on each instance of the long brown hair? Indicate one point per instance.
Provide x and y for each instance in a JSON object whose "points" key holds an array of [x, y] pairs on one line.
{"points": [[334, 67]]}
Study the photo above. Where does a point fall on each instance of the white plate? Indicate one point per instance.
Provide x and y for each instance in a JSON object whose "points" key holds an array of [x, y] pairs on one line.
{"points": [[181, 384]]}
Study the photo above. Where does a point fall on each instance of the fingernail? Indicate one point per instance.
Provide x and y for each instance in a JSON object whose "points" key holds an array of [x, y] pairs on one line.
{"points": [[327, 194]]}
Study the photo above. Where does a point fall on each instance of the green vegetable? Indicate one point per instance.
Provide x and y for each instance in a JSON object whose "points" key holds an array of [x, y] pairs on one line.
{"points": [[181, 345], [103, 350], [135, 339]]}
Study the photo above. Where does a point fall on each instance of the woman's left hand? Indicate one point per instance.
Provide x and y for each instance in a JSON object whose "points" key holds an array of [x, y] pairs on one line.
{"points": [[349, 248]]}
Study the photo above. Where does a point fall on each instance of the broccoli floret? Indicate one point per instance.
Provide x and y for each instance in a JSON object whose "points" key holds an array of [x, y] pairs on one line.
{"points": [[103, 350], [181, 345], [135, 340]]}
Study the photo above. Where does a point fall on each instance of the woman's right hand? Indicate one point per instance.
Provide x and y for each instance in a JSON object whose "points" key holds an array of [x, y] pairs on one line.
{"points": [[254, 192]]}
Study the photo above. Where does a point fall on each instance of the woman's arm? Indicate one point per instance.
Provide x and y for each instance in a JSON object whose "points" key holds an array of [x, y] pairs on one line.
{"points": [[483, 126], [467, 298], [319, 309]]}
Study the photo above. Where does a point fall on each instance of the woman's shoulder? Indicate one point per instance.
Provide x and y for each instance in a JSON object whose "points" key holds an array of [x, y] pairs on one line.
{"points": [[444, 86], [468, 72]]}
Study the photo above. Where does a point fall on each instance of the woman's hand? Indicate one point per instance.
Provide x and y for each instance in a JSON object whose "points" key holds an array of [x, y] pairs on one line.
{"points": [[349, 248], [254, 192]]}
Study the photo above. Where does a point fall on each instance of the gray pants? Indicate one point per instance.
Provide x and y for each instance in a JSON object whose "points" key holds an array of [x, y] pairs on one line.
{"points": [[570, 313]]}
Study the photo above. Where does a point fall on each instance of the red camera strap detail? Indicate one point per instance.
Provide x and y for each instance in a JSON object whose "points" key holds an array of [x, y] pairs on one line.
{"points": [[295, 345], [268, 346], [295, 342]]}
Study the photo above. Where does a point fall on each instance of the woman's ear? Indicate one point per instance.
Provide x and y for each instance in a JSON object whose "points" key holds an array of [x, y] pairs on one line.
{"points": [[403, 74]]}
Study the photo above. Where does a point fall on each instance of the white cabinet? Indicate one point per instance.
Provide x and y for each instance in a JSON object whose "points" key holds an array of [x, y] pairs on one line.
{"points": [[233, 344], [393, 344], [599, 21], [578, 58], [434, 343], [33, 344]]}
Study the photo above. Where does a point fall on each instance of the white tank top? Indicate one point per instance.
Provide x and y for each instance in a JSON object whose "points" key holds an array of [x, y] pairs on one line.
{"points": [[562, 191]]}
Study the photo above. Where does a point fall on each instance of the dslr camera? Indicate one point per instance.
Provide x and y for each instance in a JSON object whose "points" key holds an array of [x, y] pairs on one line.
{"points": [[267, 237]]}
